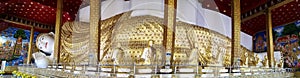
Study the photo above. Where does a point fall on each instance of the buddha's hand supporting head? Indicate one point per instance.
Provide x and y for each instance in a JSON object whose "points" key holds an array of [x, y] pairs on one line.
{"points": [[45, 42], [40, 60]]}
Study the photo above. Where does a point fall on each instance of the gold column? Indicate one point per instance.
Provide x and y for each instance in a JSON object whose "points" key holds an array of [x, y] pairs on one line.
{"points": [[169, 26], [94, 41], [99, 34], [30, 45], [269, 31], [58, 30], [236, 29]]}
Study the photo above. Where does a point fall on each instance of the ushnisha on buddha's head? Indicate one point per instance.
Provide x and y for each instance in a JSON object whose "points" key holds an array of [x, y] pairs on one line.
{"points": [[45, 42]]}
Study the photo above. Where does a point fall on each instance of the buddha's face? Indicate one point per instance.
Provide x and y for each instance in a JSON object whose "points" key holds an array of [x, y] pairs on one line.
{"points": [[45, 42], [150, 43]]}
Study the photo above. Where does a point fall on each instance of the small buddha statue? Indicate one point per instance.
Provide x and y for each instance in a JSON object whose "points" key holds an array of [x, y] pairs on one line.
{"points": [[265, 61], [226, 59], [274, 63], [244, 60], [208, 56], [201, 56], [256, 60], [117, 54], [149, 53], [280, 64], [193, 57]]}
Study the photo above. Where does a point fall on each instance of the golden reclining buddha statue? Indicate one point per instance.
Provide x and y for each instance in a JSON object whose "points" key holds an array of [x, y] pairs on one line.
{"points": [[129, 36]]}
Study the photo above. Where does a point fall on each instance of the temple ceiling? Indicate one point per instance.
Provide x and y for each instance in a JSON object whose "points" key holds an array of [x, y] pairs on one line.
{"points": [[44, 11]]}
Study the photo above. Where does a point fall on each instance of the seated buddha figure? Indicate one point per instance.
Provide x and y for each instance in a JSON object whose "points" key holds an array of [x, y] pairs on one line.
{"points": [[280, 64], [117, 54], [208, 56], [255, 60], [194, 55], [149, 53], [244, 59], [265, 61], [226, 59], [45, 43]]}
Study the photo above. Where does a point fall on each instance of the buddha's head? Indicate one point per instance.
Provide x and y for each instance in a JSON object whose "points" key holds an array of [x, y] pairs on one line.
{"points": [[150, 42], [246, 54], [118, 45], [45, 42]]}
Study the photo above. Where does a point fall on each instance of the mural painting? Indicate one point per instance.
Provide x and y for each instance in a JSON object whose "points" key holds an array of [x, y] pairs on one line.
{"points": [[260, 44], [286, 40], [14, 45]]}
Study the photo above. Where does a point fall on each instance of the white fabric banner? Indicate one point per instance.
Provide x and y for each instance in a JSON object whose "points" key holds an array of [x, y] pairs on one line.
{"points": [[189, 11]]}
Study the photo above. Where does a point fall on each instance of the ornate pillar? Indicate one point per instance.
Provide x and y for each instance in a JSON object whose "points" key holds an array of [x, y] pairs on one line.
{"points": [[236, 30], [94, 41], [30, 45], [269, 31], [169, 26], [58, 23]]}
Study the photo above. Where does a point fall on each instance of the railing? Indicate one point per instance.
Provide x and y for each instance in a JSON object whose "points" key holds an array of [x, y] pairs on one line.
{"points": [[156, 71]]}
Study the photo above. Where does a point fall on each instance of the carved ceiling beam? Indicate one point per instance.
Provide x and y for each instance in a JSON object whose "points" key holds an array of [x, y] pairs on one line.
{"points": [[25, 22]]}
